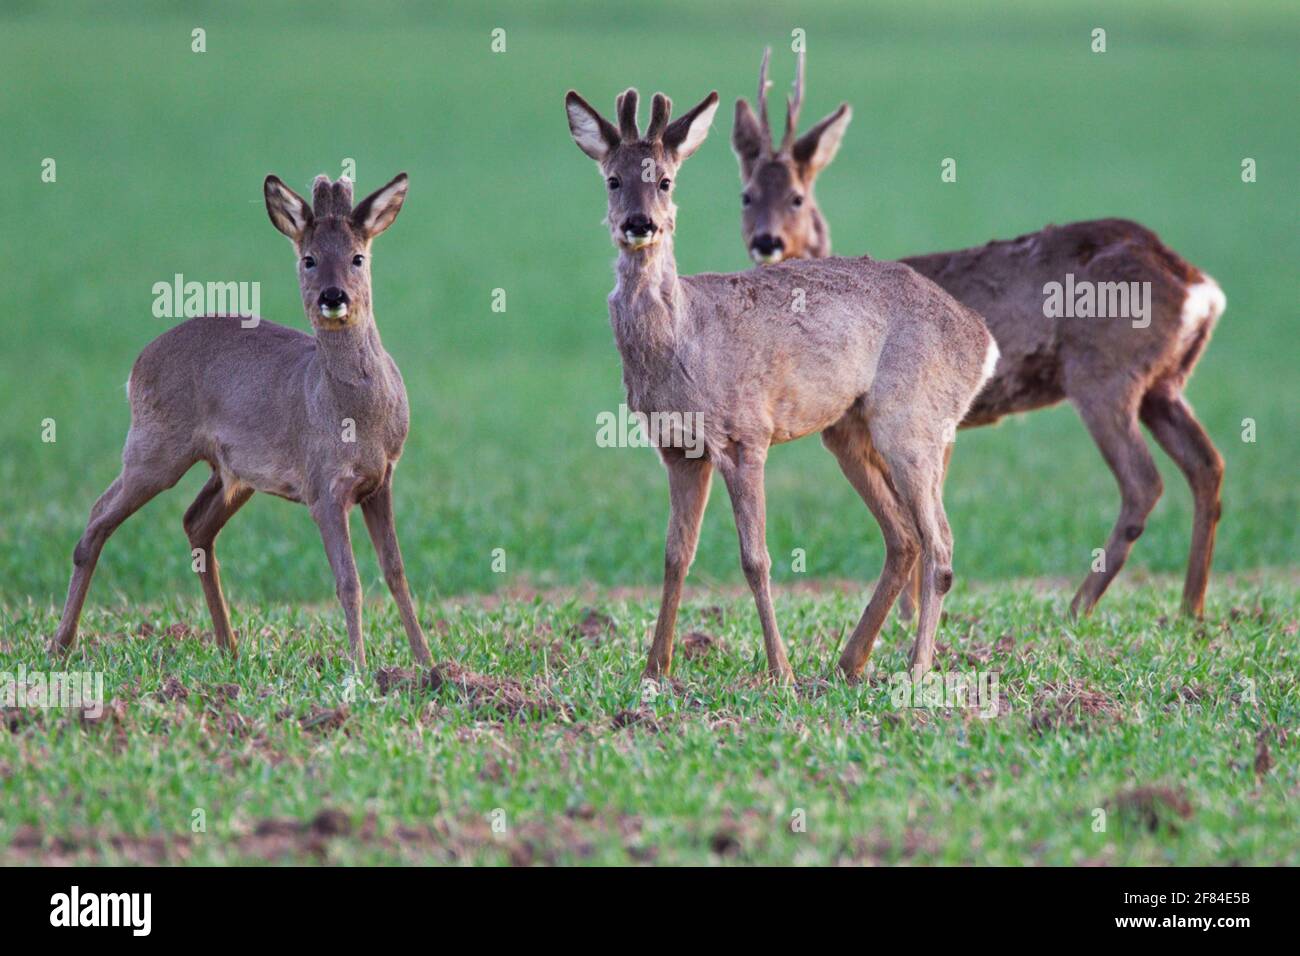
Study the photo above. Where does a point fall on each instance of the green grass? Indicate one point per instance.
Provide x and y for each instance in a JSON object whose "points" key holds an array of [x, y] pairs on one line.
{"points": [[713, 769], [160, 155]]}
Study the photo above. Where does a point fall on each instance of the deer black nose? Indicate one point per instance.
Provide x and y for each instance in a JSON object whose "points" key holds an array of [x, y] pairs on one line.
{"points": [[333, 296], [766, 244], [639, 225]]}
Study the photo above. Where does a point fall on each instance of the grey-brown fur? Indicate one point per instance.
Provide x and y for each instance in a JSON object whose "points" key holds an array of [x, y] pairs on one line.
{"points": [[1113, 373], [879, 360], [268, 409]]}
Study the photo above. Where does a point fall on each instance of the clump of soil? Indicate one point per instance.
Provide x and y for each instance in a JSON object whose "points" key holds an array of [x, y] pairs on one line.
{"points": [[1263, 756], [499, 697], [697, 645], [636, 718], [324, 719], [1069, 706], [173, 689], [595, 626], [1153, 808]]}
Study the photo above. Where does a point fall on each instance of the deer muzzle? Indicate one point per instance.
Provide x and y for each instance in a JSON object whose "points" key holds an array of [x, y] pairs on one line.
{"points": [[333, 303]]}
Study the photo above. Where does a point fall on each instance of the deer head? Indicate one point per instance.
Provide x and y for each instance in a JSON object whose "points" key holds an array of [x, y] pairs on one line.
{"points": [[332, 239], [639, 170], [779, 216]]}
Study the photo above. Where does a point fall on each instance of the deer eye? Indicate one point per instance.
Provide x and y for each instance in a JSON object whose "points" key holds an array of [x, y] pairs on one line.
{"points": [[358, 260], [665, 184], [798, 200], [613, 182], [309, 262], [746, 199]]}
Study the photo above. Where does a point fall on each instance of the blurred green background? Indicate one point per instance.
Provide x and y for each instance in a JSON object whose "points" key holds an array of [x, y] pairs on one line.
{"points": [[161, 152]]}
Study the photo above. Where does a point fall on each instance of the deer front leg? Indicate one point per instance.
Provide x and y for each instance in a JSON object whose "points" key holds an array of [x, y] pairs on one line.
{"points": [[332, 519], [378, 512], [743, 474], [688, 493]]}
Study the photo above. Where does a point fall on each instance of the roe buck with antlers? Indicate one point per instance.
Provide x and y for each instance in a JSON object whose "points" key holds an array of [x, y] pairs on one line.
{"points": [[315, 419], [1115, 372], [880, 361]]}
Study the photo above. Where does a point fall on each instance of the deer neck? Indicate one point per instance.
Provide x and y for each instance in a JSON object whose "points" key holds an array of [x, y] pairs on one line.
{"points": [[646, 306], [352, 357]]}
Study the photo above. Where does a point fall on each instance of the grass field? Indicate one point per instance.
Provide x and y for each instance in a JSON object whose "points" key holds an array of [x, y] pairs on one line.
{"points": [[160, 156]]}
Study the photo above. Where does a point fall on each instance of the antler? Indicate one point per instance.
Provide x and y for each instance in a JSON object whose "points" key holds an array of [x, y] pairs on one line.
{"points": [[626, 109], [661, 108], [793, 103], [763, 84], [331, 198]]}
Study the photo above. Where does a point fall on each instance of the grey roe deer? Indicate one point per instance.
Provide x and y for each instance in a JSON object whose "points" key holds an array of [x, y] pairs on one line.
{"points": [[318, 419], [880, 361], [1113, 372]]}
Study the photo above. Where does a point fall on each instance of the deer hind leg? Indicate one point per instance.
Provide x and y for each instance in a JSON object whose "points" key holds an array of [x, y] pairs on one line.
{"points": [[139, 482], [1166, 413], [910, 598], [688, 493], [850, 442], [743, 474], [203, 521], [1114, 428], [917, 477]]}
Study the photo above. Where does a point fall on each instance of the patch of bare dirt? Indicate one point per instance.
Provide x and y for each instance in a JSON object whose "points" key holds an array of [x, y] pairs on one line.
{"points": [[331, 831]]}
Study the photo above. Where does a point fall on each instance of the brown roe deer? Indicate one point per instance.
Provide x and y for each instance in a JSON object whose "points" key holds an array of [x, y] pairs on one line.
{"points": [[318, 419], [878, 360], [1114, 371]]}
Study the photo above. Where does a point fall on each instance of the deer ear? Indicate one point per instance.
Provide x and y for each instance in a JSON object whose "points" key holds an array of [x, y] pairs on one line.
{"points": [[746, 138], [595, 135], [815, 149], [685, 134], [377, 211], [288, 212]]}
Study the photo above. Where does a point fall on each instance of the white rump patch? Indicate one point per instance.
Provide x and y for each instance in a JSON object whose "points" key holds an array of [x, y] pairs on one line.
{"points": [[990, 360], [1205, 302]]}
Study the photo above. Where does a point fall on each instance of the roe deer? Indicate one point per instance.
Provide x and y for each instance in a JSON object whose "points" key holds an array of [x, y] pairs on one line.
{"points": [[315, 419], [880, 361], [1115, 372]]}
